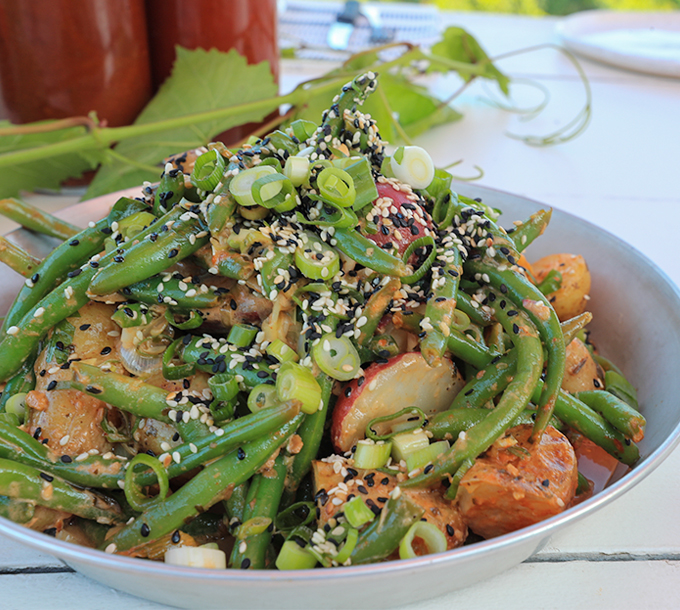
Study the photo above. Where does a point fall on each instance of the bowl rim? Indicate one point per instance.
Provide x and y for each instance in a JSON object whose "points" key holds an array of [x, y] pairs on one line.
{"points": [[67, 551]]}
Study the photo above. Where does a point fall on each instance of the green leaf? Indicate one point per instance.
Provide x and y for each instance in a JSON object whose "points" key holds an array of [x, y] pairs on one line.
{"points": [[459, 45], [200, 81], [416, 110], [45, 173]]}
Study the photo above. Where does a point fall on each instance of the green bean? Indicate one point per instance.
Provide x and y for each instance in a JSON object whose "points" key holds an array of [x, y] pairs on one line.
{"points": [[209, 486], [473, 310], [523, 235], [382, 537], [37, 220], [16, 510], [94, 471], [488, 383], [208, 354], [449, 424], [593, 426], [311, 432], [571, 327], [22, 482], [333, 119], [375, 308], [65, 259], [537, 307], [17, 259], [366, 253], [177, 293], [148, 257], [23, 381], [617, 412], [441, 305], [514, 400], [235, 504], [169, 192], [262, 505], [458, 343]]}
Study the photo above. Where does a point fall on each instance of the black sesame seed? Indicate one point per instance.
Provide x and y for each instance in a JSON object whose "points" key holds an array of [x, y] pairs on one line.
{"points": [[73, 242], [512, 313], [51, 385], [241, 454], [93, 389], [429, 468], [105, 351], [504, 289], [50, 531], [35, 278], [245, 564], [145, 530], [74, 273], [515, 329], [173, 253], [66, 459], [348, 391], [385, 481], [176, 537], [47, 477], [449, 529], [36, 434]]}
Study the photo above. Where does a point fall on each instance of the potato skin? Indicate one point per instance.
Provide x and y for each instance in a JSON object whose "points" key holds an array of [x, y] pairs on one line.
{"points": [[519, 484], [581, 372], [572, 297]]}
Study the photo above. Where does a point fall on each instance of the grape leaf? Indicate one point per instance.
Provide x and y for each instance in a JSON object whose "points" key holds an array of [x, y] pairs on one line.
{"points": [[200, 81], [416, 110], [45, 173], [459, 45]]}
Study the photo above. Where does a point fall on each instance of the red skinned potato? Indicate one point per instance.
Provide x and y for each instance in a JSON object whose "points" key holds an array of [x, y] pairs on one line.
{"points": [[411, 214], [404, 381]]}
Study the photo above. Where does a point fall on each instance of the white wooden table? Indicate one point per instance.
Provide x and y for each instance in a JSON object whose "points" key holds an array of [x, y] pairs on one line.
{"points": [[628, 553]]}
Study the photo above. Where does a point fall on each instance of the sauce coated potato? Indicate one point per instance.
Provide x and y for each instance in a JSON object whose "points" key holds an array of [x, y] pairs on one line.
{"points": [[571, 299]]}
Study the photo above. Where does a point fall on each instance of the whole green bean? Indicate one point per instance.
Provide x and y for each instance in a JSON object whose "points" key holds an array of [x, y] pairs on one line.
{"points": [[148, 257], [37, 220], [262, 504], [617, 412], [17, 259], [533, 302], [177, 293], [65, 259], [28, 484], [209, 486], [361, 249], [514, 400], [571, 327], [169, 192], [382, 537], [523, 235]]}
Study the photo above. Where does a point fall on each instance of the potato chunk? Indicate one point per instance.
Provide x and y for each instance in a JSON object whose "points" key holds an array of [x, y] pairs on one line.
{"points": [[581, 372], [516, 484], [572, 297], [375, 487]]}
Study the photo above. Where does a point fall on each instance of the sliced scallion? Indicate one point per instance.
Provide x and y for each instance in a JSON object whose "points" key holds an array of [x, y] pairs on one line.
{"points": [[407, 443], [370, 455], [430, 534], [296, 382], [350, 543], [316, 259], [281, 351], [262, 396], [241, 186], [208, 170], [274, 191], [242, 335], [337, 357], [297, 170], [336, 186], [133, 494], [357, 512], [426, 455], [293, 557], [16, 404], [224, 387], [364, 184]]}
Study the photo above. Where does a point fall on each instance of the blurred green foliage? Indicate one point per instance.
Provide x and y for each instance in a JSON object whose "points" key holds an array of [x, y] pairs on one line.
{"points": [[551, 7]]}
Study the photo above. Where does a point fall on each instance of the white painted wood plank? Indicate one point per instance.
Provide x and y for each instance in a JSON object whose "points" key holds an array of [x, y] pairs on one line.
{"points": [[588, 585], [16, 556]]}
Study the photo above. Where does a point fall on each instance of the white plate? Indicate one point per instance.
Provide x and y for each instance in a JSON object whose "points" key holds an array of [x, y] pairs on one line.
{"points": [[643, 42], [636, 312]]}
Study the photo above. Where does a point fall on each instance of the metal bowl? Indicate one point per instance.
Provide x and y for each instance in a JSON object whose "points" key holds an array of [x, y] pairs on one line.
{"points": [[636, 312]]}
